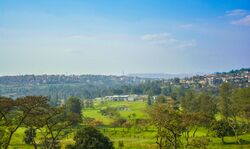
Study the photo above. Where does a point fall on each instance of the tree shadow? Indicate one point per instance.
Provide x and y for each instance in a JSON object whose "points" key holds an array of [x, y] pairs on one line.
{"points": [[242, 142]]}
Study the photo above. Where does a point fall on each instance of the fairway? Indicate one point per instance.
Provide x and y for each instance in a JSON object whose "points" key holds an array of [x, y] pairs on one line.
{"points": [[134, 138]]}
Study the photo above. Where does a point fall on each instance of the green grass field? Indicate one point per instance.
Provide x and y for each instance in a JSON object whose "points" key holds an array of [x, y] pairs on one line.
{"points": [[132, 139]]}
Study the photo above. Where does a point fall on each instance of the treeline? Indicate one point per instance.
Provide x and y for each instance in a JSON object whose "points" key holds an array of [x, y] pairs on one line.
{"points": [[91, 86], [66, 79], [227, 114], [90, 91], [236, 71], [62, 86], [176, 120], [52, 123]]}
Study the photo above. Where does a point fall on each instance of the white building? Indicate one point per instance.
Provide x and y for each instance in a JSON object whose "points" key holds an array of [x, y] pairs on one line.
{"points": [[125, 97]]}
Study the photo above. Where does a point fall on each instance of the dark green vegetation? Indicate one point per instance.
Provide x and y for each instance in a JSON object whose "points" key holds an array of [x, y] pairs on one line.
{"points": [[91, 138], [196, 112], [35, 114], [194, 120], [62, 87], [57, 87]]}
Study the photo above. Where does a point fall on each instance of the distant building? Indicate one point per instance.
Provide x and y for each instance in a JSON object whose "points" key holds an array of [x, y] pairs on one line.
{"points": [[62, 102], [126, 97], [117, 98], [213, 81]]}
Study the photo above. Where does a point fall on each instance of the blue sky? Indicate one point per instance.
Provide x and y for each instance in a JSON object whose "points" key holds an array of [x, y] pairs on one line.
{"points": [[131, 36]]}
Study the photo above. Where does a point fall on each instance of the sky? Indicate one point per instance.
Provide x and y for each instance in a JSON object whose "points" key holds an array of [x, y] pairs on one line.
{"points": [[123, 36]]}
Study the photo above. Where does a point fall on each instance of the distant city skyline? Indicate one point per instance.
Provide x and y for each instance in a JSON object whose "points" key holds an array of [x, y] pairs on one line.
{"points": [[112, 37]]}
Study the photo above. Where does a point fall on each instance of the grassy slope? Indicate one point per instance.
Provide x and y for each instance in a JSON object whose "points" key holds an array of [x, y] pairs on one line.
{"points": [[133, 138]]}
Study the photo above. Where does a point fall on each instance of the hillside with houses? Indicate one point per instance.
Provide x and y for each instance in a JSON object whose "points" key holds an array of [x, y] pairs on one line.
{"points": [[238, 78], [93, 86]]}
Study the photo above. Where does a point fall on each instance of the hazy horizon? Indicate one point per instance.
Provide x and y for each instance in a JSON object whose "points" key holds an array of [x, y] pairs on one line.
{"points": [[115, 37], [119, 74]]}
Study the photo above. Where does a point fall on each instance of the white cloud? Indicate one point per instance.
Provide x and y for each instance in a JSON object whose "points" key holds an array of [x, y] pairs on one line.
{"points": [[155, 37], [243, 17], [186, 26], [75, 37], [80, 37], [236, 12], [244, 21], [186, 44], [166, 40]]}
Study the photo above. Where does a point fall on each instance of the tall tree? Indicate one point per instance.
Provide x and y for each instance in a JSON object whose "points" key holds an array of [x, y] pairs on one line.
{"points": [[161, 99], [192, 121], [225, 93], [189, 102], [206, 104], [168, 124], [14, 112], [73, 105], [91, 138], [241, 102], [52, 123], [30, 135], [222, 128], [201, 103], [74, 109], [240, 111]]}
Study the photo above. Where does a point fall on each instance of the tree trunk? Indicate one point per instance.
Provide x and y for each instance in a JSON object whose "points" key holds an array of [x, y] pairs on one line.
{"points": [[45, 143], [195, 131], [222, 140], [208, 131], [237, 137], [175, 142], [52, 144], [8, 142], [160, 145], [187, 138], [235, 130], [34, 144]]}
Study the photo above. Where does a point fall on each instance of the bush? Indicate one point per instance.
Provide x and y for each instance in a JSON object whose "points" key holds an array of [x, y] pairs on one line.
{"points": [[200, 143], [91, 138]]}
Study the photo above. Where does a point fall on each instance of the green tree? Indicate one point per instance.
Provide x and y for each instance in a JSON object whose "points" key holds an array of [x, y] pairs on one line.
{"points": [[161, 99], [149, 101], [110, 112], [190, 102], [225, 100], [192, 121], [29, 137], [222, 128], [206, 104], [241, 102], [168, 123], [74, 109], [89, 103], [174, 95], [166, 91], [120, 144], [73, 105], [203, 103], [91, 138], [14, 113], [52, 122], [230, 108], [200, 143], [240, 111]]}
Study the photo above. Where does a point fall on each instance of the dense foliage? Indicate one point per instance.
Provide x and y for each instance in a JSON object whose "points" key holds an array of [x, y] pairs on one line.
{"points": [[173, 115], [91, 138], [57, 87]]}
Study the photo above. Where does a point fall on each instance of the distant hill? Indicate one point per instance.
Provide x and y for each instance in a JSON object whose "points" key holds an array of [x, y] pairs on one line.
{"points": [[63, 86], [159, 75], [92, 86], [67, 79]]}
